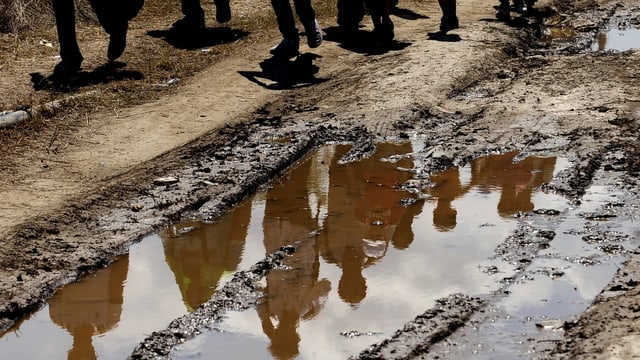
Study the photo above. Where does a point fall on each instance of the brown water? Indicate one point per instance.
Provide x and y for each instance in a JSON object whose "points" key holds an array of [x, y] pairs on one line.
{"points": [[363, 262]]}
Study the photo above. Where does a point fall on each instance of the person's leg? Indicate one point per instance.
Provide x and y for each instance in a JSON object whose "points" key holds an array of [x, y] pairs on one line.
{"points": [[449, 19], [223, 11], [504, 11], [289, 46], [71, 57], [350, 14], [114, 17], [307, 17], [193, 16]]}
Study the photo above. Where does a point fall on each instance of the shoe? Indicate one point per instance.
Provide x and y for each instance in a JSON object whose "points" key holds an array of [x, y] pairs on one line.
{"points": [[67, 68], [223, 11], [504, 12], [385, 31], [286, 49], [117, 40], [314, 35], [188, 24], [449, 23], [521, 7]]}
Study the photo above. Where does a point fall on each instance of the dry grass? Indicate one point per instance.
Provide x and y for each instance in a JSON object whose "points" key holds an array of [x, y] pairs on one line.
{"points": [[28, 44]]}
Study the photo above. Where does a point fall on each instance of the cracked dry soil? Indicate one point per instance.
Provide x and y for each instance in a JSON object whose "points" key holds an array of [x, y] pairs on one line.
{"points": [[486, 88]]}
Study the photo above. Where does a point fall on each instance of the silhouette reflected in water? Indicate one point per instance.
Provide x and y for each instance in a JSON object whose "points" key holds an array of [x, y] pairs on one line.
{"points": [[365, 215], [199, 255], [295, 294], [90, 307], [516, 182]]}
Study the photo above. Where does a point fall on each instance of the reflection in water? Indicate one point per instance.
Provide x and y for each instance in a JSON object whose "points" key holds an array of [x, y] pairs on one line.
{"points": [[342, 219], [198, 254], [617, 39], [90, 307], [296, 294], [364, 215], [515, 180]]}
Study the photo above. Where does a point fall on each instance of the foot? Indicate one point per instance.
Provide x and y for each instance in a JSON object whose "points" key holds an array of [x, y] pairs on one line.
{"points": [[223, 11], [314, 35], [117, 40], [188, 24], [449, 23], [286, 49], [385, 31], [67, 67], [521, 7], [504, 12]]}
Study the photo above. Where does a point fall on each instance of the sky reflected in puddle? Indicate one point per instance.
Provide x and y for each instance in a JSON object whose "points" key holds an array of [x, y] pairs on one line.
{"points": [[617, 39], [363, 262]]}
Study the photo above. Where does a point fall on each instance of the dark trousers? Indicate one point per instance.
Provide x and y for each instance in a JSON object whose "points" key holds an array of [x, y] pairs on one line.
{"points": [[284, 15], [111, 14], [350, 13], [192, 9]]}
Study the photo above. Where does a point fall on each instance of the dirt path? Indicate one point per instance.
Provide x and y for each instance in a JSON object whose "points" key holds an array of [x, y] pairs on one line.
{"points": [[74, 207]]}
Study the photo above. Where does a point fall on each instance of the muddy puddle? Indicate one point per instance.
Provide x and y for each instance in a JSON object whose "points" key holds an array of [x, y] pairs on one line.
{"points": [[364, 265]]}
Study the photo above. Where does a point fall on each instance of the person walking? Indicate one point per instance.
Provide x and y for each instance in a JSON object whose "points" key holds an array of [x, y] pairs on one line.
{"points": [[290, 44], [114, 17], [194, 15]]}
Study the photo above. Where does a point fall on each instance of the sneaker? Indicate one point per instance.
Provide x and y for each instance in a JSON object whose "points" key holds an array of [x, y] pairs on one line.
{"points": [[521, 7], [314, 35], [117, 40], [503, 13], [188, 24], [223, 11], [286, 49]]}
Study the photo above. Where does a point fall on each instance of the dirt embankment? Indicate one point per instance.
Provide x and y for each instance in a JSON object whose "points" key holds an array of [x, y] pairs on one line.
{"points": [[78, 185]]}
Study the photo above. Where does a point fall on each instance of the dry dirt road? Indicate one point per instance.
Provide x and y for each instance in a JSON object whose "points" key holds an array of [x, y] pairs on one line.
{"points": [[77, 188]]}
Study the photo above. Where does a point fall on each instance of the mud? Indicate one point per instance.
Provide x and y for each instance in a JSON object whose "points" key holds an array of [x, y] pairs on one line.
{"points": [[502, 90]]}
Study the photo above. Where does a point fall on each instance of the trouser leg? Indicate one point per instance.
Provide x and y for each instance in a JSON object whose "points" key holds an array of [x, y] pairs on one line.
{"points": [[284, 16], [70, 54]]}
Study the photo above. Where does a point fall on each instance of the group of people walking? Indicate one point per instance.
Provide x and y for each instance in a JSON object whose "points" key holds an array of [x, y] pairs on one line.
{"points": [[115, 15]]}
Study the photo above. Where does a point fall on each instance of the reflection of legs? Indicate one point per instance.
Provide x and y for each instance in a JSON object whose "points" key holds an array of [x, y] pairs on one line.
{"points": [[449, 19], [66, 26]]}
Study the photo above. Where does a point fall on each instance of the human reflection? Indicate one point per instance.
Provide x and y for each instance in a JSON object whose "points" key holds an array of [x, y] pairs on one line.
{"points": [[199, 254], [365, 214], [89, 308], [516, 181], [294, 294], [602, 41]]}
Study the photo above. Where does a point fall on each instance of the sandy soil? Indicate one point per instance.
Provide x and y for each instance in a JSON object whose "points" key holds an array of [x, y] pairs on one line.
{"points": [[77, 185]]}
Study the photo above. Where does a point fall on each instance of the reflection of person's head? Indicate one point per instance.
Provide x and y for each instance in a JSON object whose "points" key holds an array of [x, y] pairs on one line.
{"points": [[352, 287], [444, 216], [82, 346], [285, 339]]}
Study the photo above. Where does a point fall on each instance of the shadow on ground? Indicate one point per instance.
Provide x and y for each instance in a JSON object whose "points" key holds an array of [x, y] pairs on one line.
{"points": [[197, 39], [362, 41], [111, 71], [281, 74]]}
